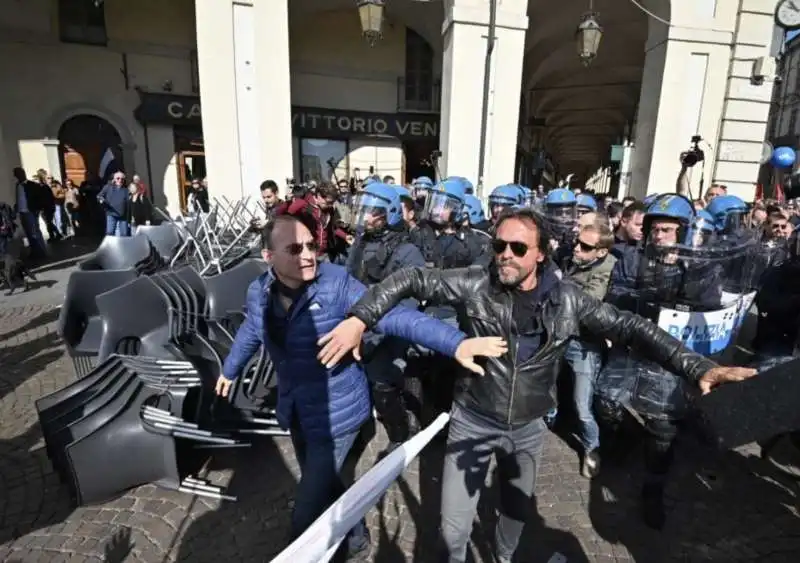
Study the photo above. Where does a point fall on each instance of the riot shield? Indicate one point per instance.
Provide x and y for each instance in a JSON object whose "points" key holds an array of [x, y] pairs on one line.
{"points": [[561, 224], [685, 290]]}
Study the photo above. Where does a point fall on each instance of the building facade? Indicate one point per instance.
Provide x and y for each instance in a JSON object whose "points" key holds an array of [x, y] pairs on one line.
{"points": [[241, 91]]}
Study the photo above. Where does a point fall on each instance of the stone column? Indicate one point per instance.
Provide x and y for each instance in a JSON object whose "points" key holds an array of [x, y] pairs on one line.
{"points": [[215, 56], [746, 110], [696, 81], [243, 62], [465, 32], [272, 79]]}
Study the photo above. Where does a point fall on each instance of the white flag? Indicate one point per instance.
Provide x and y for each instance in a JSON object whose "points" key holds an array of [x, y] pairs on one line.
{"points": [[108, 158], [319, 542]]}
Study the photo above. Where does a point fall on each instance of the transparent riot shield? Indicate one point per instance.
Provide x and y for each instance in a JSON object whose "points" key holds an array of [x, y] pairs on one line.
{"points": [[686, 291], [561, 224]]}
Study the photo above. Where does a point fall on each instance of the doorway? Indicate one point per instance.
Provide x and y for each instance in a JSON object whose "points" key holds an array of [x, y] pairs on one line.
{"points": [[418, 159], [191, 166], [90, 150]]}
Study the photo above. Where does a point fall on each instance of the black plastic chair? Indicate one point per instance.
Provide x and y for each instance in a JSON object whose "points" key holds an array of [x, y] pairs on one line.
{"points": [[121, 253], [136, 311], [227, 291], [80, 323], [164, 237]]}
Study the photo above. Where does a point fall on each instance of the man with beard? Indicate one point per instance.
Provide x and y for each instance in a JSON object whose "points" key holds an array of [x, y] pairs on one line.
{"points": [[519, 298]]}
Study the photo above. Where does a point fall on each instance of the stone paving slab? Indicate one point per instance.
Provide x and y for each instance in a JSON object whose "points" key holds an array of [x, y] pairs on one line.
{"points": [[728, 508]]}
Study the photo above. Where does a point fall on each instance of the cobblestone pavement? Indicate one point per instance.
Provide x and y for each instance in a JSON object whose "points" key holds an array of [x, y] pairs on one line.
{"points": [[722, 508]]}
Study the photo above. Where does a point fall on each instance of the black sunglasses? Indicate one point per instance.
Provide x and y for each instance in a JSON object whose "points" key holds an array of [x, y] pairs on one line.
{"points": [[519, 249], [586, 247], [296, 248]]}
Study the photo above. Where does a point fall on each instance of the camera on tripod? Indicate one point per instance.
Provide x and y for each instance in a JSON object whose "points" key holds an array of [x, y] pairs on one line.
{"points": [[695, 154]]}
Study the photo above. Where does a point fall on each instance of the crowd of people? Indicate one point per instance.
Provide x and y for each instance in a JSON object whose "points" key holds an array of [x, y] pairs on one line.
{"points": [[44, 204], [547, 287], [373, 285]]}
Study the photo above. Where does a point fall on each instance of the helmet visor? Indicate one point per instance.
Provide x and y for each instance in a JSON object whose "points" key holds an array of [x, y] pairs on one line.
{"points": [[368, 213], [441, 208]]}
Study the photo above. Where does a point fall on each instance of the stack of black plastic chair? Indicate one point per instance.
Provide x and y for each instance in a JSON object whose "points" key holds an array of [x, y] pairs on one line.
{"points": [[117, 261], [116, 429], [130, 419]]}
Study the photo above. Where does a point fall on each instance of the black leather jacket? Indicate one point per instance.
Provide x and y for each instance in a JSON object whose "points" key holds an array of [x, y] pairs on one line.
{"points": [[515, 393]]}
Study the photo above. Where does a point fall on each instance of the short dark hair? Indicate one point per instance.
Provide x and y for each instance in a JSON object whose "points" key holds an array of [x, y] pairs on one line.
{"points": [[614, 208], [269, 185], [328, 191], [633, 209], [268, 231], [530, 216]]}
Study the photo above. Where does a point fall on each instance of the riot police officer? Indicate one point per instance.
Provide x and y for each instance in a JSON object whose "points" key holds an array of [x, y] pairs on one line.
{"points": [[474, 216], [585, 203], [383, 246], [502, 197], [664, 280], [444, 242]]}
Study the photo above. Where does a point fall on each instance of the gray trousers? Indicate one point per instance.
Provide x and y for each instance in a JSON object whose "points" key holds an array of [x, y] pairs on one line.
{"points": [[472, 440]]}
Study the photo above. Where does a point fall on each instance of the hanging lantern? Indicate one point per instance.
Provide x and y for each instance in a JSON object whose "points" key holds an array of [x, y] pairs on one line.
{"points": [[371, 14], [588, 36]]}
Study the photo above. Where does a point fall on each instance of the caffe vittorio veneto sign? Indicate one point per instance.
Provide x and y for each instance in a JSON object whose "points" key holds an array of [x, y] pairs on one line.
{"points": [[162, 108], [316, 122]]}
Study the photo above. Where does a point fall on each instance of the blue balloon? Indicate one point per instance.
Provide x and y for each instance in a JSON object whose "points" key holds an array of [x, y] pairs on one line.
{"points": [[783, 157]]}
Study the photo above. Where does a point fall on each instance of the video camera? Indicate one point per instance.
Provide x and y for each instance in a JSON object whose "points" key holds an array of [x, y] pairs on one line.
{"points": [[694, 155]]}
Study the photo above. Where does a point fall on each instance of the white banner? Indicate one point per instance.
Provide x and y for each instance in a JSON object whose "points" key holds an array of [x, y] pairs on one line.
{"points": [[318, 544]]}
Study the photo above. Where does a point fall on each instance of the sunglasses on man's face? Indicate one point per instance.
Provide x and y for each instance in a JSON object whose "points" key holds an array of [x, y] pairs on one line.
{"points": [[585, 247], [519, 249], [296, 248]]}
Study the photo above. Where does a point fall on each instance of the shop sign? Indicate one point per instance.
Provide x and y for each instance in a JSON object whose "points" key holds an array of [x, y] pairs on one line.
{"points": [[174, 109], [319, 122], [168, 109]]}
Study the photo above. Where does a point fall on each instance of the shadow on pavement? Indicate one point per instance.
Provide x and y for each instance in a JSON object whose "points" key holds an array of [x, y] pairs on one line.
{"points": [[721, 506], [24, 361], [256, 526], [38, 321]]}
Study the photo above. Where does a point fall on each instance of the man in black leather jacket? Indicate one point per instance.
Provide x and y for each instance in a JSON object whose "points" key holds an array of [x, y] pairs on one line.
{"points": [[500, 413]]}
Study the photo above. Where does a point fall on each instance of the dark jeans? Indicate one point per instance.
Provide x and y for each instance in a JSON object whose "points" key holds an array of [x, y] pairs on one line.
{"points": [[117, 227], [30, 226], [472, 440], [320, 481]]}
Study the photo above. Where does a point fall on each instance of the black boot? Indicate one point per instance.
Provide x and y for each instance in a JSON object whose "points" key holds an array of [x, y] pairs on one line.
{"points": [[653, 505]]}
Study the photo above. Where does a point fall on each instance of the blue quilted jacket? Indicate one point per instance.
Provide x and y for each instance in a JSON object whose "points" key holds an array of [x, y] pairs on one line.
{"points": [[326, 402]]}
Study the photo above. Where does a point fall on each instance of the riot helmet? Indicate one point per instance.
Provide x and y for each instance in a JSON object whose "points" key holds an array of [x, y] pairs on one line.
{"points": [[585, 204], [376, 208], [650, 199], [702, 231], [502, 197], [668, 221], [560, 204], [473, 210], [444, 203], [468, 187], [729, 213]]}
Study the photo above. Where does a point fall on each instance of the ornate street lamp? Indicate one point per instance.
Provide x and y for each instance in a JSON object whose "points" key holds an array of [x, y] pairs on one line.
{"points": [[371, 14], [588, 36]]}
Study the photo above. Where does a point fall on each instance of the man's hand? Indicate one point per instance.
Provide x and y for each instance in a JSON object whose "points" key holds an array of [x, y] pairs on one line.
{"points": [[488, 346], [718, 375], [223, 386], [344, 338]]}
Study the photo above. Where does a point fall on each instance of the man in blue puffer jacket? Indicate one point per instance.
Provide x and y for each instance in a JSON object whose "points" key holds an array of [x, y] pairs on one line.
{"points": [[289, 309]]}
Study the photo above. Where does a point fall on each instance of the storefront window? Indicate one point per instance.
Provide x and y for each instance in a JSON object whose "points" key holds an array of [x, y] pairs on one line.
{"points": [[320, 159]]}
